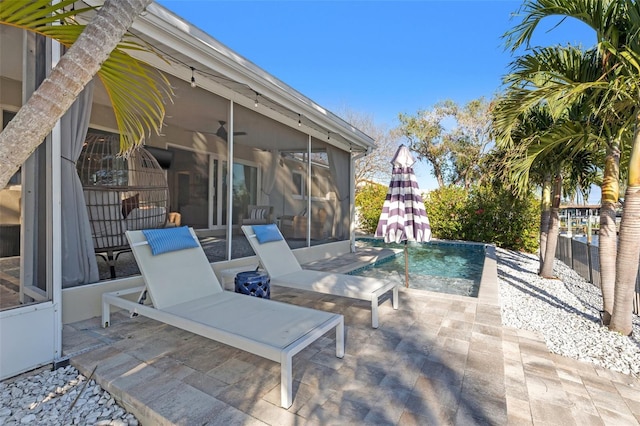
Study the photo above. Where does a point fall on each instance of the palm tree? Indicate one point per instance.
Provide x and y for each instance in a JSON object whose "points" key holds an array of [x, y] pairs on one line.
{"points": [[584, 128], [136, 90], [513, 141], [545, 218], [615, 24]]}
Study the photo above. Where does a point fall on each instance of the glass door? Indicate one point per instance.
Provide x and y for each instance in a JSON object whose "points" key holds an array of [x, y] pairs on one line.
{"points": [[30, 324], [188, 179]]}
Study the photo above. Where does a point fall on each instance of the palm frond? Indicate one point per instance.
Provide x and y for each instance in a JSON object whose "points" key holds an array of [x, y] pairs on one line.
{"points": [[137, 90], [603, 16]]}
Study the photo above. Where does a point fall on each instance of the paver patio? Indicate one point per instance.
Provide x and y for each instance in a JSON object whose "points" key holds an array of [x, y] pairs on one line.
{"points": [[440, 359]]}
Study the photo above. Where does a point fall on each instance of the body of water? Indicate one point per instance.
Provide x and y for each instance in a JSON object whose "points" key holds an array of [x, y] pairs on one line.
{"points": [[453, 268], [583, 239]]}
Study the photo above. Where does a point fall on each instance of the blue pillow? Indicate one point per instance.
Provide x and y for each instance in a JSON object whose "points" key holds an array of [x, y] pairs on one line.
{"points": [[266, 233], [169, 239]]}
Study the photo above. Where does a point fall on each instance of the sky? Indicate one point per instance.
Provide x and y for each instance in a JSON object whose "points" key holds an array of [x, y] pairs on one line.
{"points": [[377, 58]]}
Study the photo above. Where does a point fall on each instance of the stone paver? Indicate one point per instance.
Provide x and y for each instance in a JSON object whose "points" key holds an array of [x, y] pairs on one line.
{"points": [[438, 359]]}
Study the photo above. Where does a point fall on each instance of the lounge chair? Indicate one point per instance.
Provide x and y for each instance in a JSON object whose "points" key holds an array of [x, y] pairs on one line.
{"points": [[284, 270], [185, 293]]}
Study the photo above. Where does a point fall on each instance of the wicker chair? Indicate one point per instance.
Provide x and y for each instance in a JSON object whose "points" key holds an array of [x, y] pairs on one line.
{"points": [[121, 193], [295, 227]]}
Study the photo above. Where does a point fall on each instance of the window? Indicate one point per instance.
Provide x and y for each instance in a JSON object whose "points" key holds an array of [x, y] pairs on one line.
{"points": [[319, 186], [298, 185]]}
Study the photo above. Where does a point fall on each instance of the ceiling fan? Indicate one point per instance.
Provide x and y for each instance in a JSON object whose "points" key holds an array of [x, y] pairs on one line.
{"points": [[222, 131]]}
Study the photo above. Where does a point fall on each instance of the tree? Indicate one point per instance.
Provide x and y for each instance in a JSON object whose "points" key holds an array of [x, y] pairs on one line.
{"points": [[496, 215], [469, 141], [454, 151], [376, 165], [616, 24], [528, 142], [92, 47], [425, 133], [596, 126], [498, 166]]}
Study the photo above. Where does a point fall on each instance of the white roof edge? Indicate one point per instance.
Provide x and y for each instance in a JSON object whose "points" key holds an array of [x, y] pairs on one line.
{"points": [[158, 20]]}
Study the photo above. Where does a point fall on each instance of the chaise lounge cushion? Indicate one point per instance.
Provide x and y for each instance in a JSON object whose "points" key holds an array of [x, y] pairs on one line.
{"points": [[258, 215], [169, 239], [267, 233], [147, 217]]}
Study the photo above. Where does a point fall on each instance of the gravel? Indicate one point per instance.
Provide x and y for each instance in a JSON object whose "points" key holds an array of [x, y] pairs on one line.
{"points": [[60, 397], [565, 311]]}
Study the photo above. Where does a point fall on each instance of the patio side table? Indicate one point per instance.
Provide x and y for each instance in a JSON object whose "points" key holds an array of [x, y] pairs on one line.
{"points": [[253, 283]]}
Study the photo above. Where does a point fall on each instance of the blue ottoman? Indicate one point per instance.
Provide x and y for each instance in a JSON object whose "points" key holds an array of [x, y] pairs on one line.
{"points": [[253, 283]]}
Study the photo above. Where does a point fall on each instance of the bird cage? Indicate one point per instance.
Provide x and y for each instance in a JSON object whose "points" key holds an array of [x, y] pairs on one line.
{"points": [[121, 193]]}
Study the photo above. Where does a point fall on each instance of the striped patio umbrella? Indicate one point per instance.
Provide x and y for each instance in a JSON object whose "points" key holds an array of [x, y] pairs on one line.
{"points": [[403, 216]]}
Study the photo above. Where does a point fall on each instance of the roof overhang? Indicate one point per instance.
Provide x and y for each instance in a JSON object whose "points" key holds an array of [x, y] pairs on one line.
{"points": [[230, 75]]}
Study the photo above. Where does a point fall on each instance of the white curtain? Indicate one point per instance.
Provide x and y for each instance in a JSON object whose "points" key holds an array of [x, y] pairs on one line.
{"points": [[270, 160], [339, 162], [79, 264]]}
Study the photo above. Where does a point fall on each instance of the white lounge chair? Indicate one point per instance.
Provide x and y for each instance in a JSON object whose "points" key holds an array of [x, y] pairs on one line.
{"points": [[185, 293], [284, 270]]}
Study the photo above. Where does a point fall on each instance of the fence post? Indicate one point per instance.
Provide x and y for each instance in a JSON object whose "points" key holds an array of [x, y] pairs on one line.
{"points": [[571, 255], [589, 260]]}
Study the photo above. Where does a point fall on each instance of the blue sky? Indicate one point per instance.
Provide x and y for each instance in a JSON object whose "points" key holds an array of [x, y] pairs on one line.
{"points": [[379, 58]]}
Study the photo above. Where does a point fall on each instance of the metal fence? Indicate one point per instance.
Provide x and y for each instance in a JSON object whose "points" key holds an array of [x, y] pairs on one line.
{"points": [[585, 260]]}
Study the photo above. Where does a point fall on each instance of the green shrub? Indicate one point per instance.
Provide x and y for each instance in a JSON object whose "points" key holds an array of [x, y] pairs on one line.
{"points": [[484, 214], [369, 201], [495, 216], [446, 208]]}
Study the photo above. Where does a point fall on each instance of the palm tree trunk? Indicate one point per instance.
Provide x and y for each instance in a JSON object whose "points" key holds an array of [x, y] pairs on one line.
{"points": [[608, 238], [545, 215], [607, 247], [627, 263], [57, 93], [554, 230], [629, 246]]}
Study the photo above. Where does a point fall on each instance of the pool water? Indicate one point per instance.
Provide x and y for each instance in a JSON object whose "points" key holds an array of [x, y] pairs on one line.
{"points": [[453, 268]]}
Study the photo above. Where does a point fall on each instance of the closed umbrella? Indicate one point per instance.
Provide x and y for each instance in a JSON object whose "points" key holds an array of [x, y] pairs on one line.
{"points": [[403, 216]]}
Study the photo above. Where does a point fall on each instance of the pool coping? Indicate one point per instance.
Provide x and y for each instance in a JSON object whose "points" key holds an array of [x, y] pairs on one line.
{"points": [[488, 291]]}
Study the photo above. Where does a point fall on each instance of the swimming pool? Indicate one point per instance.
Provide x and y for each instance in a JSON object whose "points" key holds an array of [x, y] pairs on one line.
{"points": [[444, 267]]}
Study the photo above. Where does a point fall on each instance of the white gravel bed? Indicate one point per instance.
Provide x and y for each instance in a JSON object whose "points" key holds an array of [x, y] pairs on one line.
{"points": [[565, 311], [60, 397]]}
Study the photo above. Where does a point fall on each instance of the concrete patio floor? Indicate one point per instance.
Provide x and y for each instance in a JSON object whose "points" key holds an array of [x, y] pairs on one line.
{"points": [[438, 360]]}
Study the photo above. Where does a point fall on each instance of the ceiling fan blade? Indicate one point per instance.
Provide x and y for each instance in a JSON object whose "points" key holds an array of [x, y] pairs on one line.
{"points": [[222, 131]]}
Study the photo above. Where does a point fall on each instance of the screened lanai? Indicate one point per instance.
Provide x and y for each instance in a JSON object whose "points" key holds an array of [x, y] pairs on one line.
{"points": [[238, 146]]}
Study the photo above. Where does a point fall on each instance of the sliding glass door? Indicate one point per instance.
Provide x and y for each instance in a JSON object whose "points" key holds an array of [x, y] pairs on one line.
{"points": [[198, 188]]}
